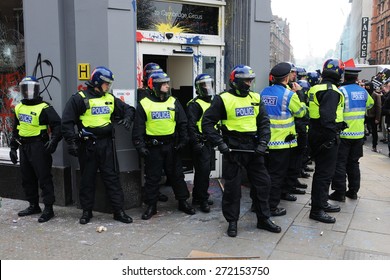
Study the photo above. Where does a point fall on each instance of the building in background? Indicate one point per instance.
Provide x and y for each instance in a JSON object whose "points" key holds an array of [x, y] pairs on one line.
{"points": [[280, 45], [380, 35], [185, 37]]}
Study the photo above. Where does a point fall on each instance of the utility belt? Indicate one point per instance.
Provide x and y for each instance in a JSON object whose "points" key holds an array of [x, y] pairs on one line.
{"points": [[200, 138], [159, 140], [236, 140], [27, 140], [85, 135]]}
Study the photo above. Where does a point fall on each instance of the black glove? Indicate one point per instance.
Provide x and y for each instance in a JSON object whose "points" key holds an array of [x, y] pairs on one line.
{"points": [[180, 146], [197, 147], [143, 152], [261, 148], [13, 154], [73, 149], [223, 148], [126, 122], [51, 146]]}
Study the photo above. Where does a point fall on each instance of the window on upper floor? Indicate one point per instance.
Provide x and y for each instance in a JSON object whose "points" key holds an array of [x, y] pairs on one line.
{"points": [[382, 36], [388, 28], [378, 33]]}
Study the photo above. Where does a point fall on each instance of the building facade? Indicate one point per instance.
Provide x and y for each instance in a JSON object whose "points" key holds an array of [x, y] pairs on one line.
{"points": [[185, 37]]}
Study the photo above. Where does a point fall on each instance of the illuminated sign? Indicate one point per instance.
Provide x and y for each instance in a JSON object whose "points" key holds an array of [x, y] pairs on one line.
{"points": [[364, 37]]}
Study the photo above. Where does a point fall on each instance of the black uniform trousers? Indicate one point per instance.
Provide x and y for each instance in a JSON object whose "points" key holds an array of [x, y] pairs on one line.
{"points": [[35, 166], [293, 171], [325, 165], [349, 153], [202, 165], [278, 164], [99, 155], [232, 168], [161, 158]]}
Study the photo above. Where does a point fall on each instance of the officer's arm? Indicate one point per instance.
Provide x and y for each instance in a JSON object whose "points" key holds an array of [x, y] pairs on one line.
{"points": [[181, 123], [297, 108], [52, 119], [328, 107], [139, 127], [15, 133], [263, 124], [194, 113], [215, 113], [74, 108], [123, 110]]}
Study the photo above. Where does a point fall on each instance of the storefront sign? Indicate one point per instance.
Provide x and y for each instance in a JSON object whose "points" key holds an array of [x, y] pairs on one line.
{"points": [[177, 18], [364, 37]]}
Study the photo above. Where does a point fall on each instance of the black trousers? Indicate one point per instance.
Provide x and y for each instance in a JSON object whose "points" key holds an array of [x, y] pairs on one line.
{"points": [[349, 153], [278, 164], [325, 166], [35, 166], [373, 128], [164, 158], [233, 165], [202, 165], [94, 156]]}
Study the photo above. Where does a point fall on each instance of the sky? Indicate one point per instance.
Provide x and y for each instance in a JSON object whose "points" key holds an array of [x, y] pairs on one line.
{"points": [[315, 25]]}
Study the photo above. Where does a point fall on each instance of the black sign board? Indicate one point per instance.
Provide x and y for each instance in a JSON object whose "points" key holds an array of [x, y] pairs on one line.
{"points": [[364, 37], [177, 18]]}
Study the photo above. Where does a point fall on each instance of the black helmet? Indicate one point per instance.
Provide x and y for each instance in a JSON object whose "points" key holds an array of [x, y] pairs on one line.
{"points": [[204, 85], [155, 82], [239, 75], [29, 87]]}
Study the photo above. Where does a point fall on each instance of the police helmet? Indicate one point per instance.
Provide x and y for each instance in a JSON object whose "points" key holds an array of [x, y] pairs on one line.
{"points": [[29, 87], [155, 82], [238, 77], [301, 72], [101, 75], [333, 66], [313, 78], [204, 85], [149, 69]]}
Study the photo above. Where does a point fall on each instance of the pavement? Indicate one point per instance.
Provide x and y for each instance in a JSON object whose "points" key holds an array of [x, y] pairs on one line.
{"points": [[362, 230]]}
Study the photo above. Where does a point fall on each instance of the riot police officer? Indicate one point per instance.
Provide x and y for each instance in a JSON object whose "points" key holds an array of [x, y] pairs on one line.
{"points": [[326, 104], [357, 101], [202, 150], [159, 133], [245, 127], [92, 111], [33, 119]]}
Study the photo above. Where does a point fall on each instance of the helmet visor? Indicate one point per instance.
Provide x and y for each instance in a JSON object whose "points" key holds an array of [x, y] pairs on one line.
{"points": [[29, 89], [205, 87]]}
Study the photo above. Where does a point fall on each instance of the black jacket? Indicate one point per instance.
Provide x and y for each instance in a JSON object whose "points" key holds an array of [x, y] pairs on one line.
{"points": [[76, 106], [139, 128]]}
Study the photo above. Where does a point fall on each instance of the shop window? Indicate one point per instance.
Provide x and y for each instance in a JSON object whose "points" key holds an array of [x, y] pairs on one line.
{"points": [[177, 18], [12, 66]]}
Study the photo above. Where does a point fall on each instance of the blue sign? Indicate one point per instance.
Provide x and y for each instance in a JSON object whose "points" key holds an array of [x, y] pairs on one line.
{"points": [[245, 111], [100, 110], [270, 100], [161, 115], [25, 118]]}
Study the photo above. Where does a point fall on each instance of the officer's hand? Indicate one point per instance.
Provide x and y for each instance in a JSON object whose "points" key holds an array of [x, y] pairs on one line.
{"points": [[13, 154], [126, 122], [73, 149], [51, 146], [143, 152], [197, 147], [179, 146], [261, 148], [223, 148]]}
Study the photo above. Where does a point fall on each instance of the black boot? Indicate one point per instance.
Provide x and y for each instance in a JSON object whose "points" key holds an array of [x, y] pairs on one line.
{"points": [[232, 229], [47, 213], [185, 207], [32, 209], [121, 216], [150, 211], [269, 225], [86, 216], [204, 206]]}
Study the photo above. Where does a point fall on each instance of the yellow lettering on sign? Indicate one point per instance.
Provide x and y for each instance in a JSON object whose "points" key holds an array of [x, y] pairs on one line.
{"points": [[84, 71]]}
